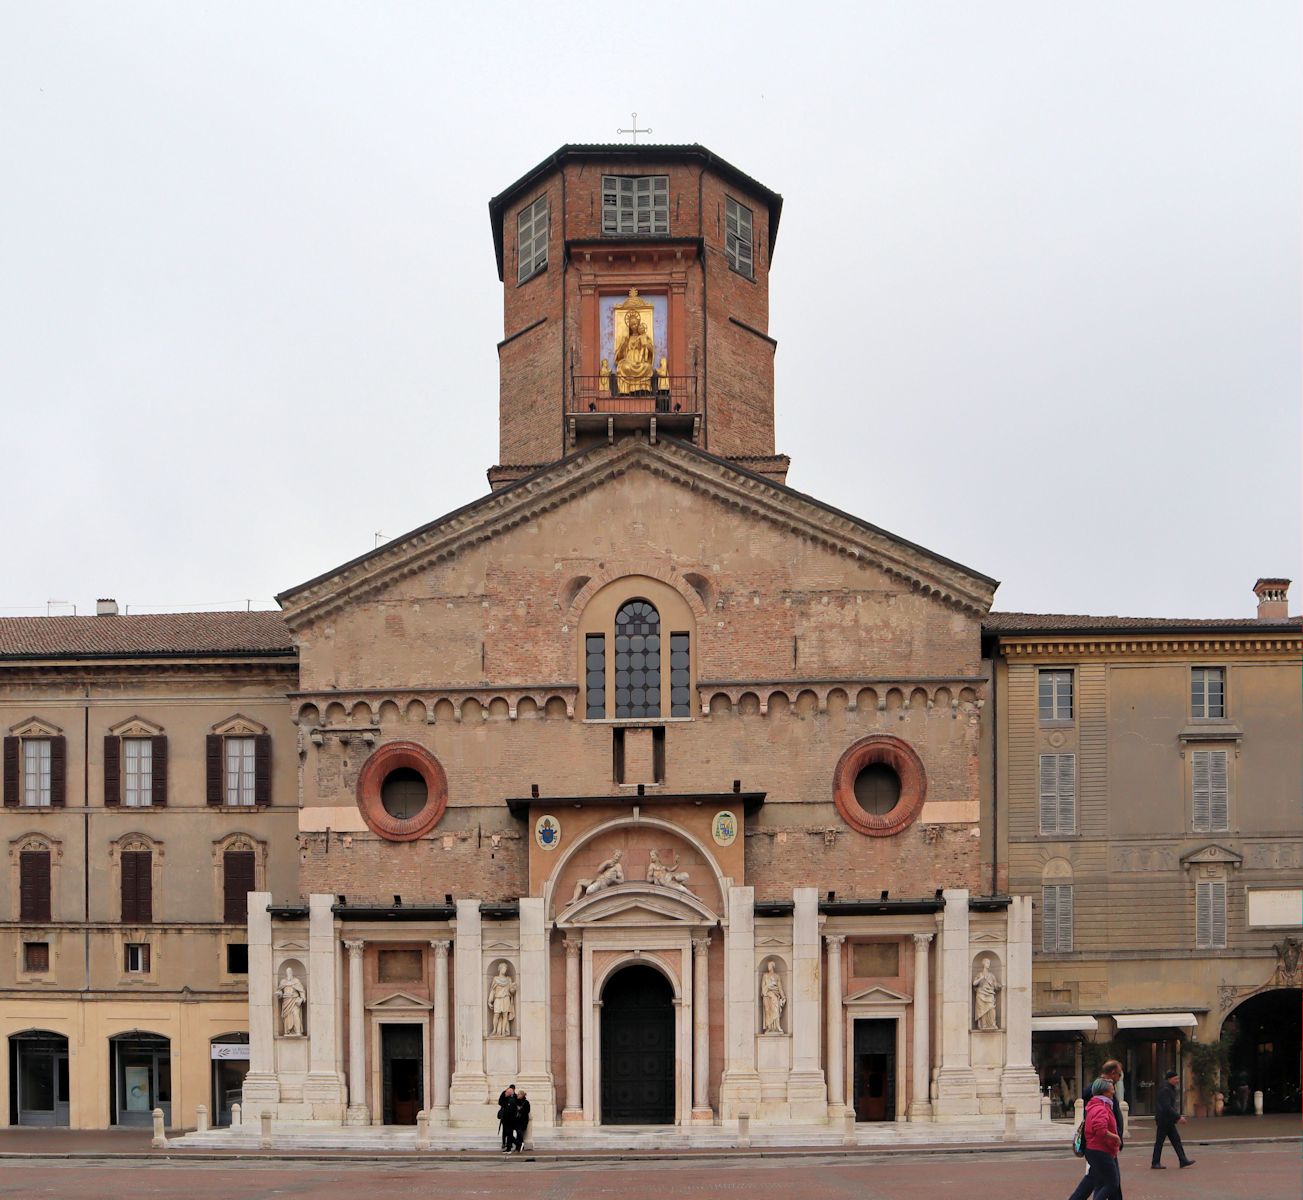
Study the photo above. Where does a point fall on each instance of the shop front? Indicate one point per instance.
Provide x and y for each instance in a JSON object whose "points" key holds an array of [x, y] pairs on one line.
{"points": [[1057, 1058], [1153, 1042], [140, 1073]]}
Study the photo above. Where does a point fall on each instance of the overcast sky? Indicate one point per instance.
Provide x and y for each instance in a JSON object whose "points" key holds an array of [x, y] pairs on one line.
{"points": [[1036, 289]]}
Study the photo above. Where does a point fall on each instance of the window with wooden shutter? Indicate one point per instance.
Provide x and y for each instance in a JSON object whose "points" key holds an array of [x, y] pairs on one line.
{"points": [[34, 886], [635, 204], [112, 771], [136, 958], [1209, 770], [1210, 915], [1056, 918], [36, 957], [58, 771], [137, 887], [738, 237], [158, 777], [262, 769], [1058, 791], [11, 772], [531, 239], [237, 883], [213, 770]]}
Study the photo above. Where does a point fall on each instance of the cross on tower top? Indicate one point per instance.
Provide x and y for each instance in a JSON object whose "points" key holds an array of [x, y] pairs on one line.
{"points": [[635, 131]]}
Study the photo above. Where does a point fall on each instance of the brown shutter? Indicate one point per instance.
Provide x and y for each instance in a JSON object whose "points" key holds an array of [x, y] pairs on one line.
{"points": [[11, 772], [237, 878], [58, 771], [34, 886], [112, 771], [137, 887], [158, 769], [214, 763], [262, 769]]}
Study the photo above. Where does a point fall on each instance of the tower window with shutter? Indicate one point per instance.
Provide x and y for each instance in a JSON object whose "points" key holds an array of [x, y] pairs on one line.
{"points": [[738, 238], [137, 887], [1054, 695], [37, 764], [1209, 770], [34, 886], [138, 772], [531, 239], [1056, 918], [239, 771], [1210, 915], [635, 204], [1058, 790], [1208, 693]]}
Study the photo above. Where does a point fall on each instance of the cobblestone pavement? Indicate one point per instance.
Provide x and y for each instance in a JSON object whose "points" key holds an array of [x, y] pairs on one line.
{"points": [[1224, 1172]]}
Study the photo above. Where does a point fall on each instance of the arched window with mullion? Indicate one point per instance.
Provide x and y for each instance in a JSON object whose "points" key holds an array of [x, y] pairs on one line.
{"points": [[637, 660]]}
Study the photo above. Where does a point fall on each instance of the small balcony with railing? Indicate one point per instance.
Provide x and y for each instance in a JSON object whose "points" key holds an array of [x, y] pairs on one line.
{"points": [[596, 408]]}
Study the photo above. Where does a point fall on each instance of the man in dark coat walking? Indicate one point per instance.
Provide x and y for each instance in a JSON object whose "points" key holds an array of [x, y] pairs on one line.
{"points": [[1167, 1118], [507, 1115]]}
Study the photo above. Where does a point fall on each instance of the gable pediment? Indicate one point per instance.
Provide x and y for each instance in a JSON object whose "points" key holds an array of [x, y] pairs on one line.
{"points": [[680, 467], [1212, 854], [877, 994], [636, 905], [399, 1002]]}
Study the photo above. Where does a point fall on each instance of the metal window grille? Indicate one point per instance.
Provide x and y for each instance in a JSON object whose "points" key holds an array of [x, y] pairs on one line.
{"points": [[634, 204], [531, 239], [595, 676], [638, 660], [680, 675], [738, 248]]}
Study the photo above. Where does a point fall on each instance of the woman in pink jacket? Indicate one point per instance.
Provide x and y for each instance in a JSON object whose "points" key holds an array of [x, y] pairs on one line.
{"points": [[1102, 1142]]}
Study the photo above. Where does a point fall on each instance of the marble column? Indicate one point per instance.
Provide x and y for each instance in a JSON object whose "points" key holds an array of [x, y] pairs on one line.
{"points": [[358, 1113], [701, 1110], [470, 1085], [1019, 1083], [574, 1110], [442, 1046], [739, 1090], [262, 1090], [535, 1072], [807, 1091], [323, 1089], [835, 1032], [920, 1107], [956, 1082]]}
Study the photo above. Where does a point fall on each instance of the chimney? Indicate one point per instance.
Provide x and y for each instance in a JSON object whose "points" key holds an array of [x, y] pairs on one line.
{"points": [[106, 608], [1273, 599]]}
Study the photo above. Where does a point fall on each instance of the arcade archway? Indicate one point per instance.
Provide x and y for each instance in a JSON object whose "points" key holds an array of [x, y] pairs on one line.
{"points": [[638, 1048], [1264, 1036]]}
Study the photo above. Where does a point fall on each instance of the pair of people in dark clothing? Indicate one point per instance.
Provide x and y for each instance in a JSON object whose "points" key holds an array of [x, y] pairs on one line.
{"points": [[513, 1118]]}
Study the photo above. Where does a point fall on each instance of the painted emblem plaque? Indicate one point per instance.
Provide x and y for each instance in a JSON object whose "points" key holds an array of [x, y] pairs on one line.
{"points": [[724, 828], [547, 832]]}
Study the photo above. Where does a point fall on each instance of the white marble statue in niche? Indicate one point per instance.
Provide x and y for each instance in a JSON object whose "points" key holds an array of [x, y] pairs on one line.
{"points": [[609, 874], [985, 987], [502, 1001], [293, 996], [772, 1000], [667, 874]]}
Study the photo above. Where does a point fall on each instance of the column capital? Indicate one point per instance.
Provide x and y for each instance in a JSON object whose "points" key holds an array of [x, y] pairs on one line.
{"points": [[921, 940], [573, 946], [354, 947], [440, 947], [700, 946], [833, 940]]}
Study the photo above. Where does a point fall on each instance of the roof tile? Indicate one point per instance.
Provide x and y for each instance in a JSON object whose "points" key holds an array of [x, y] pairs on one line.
{"points": [[151, 634]]}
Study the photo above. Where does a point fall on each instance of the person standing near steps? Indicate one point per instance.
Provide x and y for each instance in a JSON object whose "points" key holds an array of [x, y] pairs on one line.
{"points": [[507, 1115], [521, 1122], [1167, 1118]]}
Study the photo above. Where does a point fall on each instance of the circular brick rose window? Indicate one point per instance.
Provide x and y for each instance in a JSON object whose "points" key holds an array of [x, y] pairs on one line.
{"points": [[402, 791], [879, 785]]}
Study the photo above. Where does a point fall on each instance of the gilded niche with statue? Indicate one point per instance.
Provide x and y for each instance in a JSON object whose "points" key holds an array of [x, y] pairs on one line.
{"points": [[633, 334]]}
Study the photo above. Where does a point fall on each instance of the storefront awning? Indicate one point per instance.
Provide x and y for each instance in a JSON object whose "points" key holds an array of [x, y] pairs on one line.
{"points": [[1167, 1020], [1065, 1024]]}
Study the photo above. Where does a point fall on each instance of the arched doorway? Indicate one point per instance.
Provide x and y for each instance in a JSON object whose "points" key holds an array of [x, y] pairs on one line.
{"points": [[638, 1048], [38, 1078], [1264, 1038], [140, 1077], [230, 1056]]}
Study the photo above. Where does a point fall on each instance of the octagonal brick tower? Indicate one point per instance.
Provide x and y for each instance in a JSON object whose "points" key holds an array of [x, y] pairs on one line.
{"points": [[670, 241]]}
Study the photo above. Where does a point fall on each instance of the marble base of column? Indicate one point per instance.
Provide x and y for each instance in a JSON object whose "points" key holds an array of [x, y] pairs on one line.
{"points": [[262, 1093], [357, 1114], [572, 1116], [956, 1093], [1020, 1089]]}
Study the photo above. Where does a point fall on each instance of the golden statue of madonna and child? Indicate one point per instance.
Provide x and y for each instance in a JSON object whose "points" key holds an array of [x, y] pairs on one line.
{"points": [[636, 371]]}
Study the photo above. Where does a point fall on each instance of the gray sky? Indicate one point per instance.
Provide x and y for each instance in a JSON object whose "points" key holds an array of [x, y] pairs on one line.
{"points": [[1036, 290]]}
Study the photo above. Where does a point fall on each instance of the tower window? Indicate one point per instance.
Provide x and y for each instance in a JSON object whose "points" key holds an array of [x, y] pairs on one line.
{"points": [[638, 660], [633, 204], [738, 238], [531, 239]]}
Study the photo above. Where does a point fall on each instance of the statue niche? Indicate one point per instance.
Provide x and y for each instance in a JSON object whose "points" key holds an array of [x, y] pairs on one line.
{"points": [[986, 989], [634, 346], [502, 1001], [773, 999], [293, 997]]}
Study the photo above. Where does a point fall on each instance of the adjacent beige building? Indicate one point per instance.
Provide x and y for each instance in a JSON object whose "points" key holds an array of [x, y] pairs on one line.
{"points": [[150, 780], [1147, 783]]}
